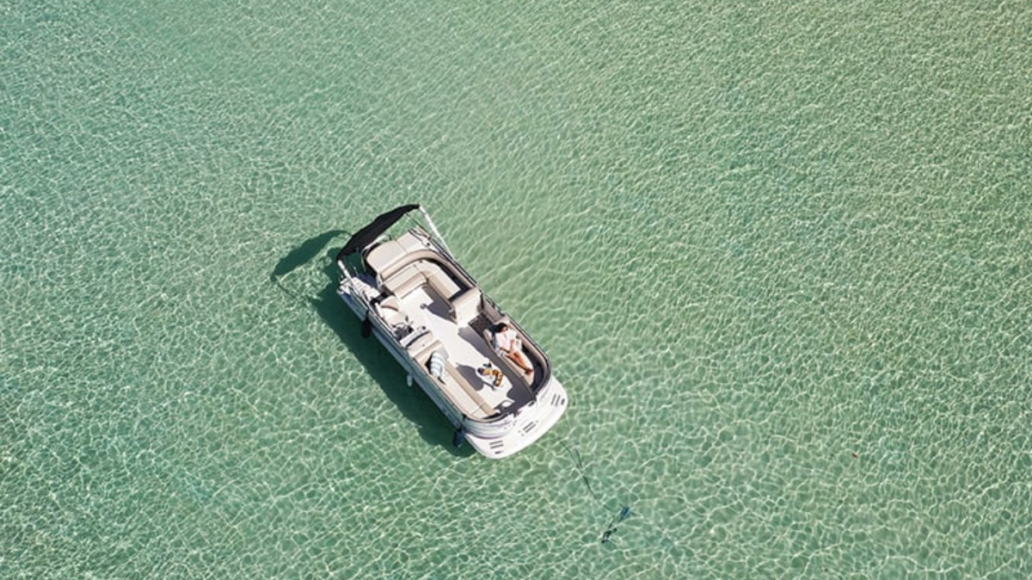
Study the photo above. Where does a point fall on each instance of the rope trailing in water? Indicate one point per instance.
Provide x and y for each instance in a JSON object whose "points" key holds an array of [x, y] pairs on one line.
{"points": [[625, 511], [580, 468]]}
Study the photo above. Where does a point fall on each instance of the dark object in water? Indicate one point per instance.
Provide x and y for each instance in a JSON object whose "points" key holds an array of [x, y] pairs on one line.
{"points": [[625, 512]]}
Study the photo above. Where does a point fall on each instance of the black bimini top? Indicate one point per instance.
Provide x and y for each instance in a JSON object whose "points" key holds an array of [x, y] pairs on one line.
{"points": [[368, 234]]}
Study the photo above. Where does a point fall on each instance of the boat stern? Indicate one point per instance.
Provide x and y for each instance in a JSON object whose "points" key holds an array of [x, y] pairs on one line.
{"points": [[531, 423]]}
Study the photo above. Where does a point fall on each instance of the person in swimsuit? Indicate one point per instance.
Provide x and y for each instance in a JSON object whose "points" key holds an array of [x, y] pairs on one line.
{"points": [[510, 344]]}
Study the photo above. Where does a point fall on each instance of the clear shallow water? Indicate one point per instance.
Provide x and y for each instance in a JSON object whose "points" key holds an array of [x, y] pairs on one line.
{"points": [[780, 257]]}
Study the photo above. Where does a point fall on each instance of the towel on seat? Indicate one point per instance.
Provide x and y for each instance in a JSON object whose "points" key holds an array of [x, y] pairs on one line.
{"points": [[437, 360]]}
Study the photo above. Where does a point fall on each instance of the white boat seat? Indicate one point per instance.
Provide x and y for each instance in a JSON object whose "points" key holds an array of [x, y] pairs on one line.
{"points": [[404, 281], [439, 280], [383, 259], [466, 305], [421, 347], [423, 272], [391, 312]]}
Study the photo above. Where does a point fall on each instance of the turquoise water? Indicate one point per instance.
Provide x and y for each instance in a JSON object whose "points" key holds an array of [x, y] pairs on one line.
{"points": [[780, 256]]}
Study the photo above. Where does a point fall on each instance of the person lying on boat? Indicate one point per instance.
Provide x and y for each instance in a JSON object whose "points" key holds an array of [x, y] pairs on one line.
{"points": [[511, 345]]}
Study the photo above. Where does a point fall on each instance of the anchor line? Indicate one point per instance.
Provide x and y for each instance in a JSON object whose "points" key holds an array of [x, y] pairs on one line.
{"points": [[625, 511]]}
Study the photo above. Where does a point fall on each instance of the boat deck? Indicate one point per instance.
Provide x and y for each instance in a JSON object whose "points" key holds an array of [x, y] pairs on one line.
{"points": [[466, 349]]}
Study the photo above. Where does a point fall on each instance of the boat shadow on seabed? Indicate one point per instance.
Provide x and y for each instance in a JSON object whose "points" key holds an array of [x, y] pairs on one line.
{"points": [[388, 374]]}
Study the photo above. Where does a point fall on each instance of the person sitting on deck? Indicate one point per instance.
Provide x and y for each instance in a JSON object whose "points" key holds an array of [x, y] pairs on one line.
{"points": [[510, 344]]}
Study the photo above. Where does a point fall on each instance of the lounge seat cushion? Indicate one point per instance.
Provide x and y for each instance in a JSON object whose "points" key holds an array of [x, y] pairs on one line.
{"points": [[404, 281], [384, 259]]}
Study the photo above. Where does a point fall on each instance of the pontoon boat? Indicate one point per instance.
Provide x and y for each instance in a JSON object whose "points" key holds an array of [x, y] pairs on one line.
{"points": [[415, 298]]}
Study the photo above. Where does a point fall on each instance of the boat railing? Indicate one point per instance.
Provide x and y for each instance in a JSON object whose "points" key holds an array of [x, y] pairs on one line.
{"points": [[433, 228]]}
